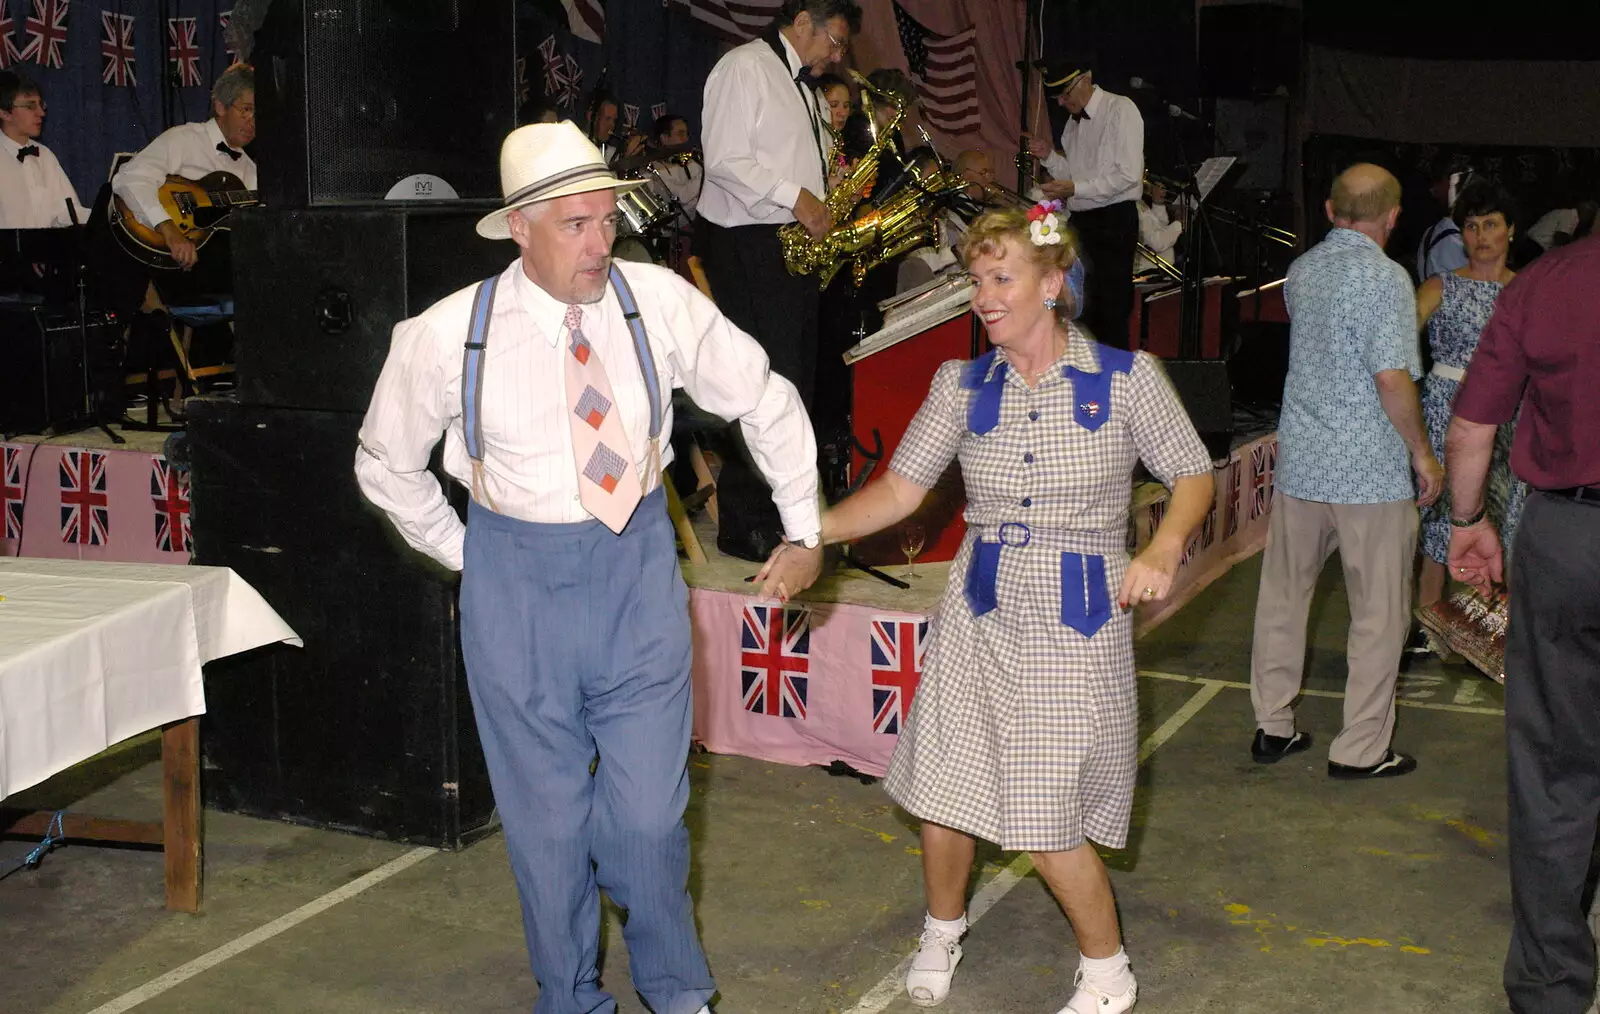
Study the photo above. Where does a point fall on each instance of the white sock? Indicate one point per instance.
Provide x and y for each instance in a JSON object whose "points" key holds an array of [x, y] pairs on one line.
{"points": [[1111, 975], [949, 927]]}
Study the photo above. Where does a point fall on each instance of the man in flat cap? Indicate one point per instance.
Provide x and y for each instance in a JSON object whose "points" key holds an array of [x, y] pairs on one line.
{"points": [[1099, 175]]}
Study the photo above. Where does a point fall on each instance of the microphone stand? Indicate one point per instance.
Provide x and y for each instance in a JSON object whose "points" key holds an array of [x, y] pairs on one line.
{"points": [[90, 407]]}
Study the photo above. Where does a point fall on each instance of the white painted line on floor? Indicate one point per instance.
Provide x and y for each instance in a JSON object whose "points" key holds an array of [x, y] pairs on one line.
{"points": [[889, 988], [1460, 709], [155, 987]]}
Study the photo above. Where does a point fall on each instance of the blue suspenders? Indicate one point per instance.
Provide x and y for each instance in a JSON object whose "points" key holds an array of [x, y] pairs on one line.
{"points": [[478, 340]]}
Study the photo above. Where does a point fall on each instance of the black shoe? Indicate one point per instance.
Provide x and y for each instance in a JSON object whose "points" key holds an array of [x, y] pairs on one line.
{"points": [[1267, 749], [1393, 765], [1420, 643]]}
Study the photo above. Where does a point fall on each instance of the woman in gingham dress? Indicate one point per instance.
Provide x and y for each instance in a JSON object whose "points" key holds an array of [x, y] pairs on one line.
{"points": [[1024, 730]]}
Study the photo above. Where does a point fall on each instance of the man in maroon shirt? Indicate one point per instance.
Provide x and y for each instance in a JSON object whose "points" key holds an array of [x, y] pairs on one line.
{"points": [[1541, 350]]}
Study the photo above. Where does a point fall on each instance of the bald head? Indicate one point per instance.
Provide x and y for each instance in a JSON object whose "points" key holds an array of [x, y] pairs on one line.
{"points": [[1365, 198]]}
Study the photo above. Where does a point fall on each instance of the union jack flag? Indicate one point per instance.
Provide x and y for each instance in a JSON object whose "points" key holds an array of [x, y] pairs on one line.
{"points": [[897, 647], [1230, 526], [117, 48], [169, 488], [562, 76], [47, 33], [1158, 510], [9, 54], [523, 91], [774, 658], [12, 491], [1263, 461], [84, 502], [630, 115], [657, 111], [224, 20], [183, 51], [572, 77]]}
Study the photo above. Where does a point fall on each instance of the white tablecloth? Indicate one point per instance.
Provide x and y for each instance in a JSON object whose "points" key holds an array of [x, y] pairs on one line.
{"points": [[92, 653]]}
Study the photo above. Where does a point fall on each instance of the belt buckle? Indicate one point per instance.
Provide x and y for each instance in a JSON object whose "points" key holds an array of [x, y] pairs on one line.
{"points": [[1026, 534]]}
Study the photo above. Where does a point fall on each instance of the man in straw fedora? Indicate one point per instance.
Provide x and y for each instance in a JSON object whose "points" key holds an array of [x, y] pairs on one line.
{"points": [[551, 383]]}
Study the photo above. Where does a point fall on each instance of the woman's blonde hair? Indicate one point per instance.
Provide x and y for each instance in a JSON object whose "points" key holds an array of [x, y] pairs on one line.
{"points": [[987, 234]]}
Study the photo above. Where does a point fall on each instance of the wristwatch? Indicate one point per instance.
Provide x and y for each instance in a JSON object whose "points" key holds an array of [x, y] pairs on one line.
{"points": [[811, 541]]}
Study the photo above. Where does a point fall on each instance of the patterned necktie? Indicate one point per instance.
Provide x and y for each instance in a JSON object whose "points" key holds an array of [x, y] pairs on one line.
{"points": [[608, 482]]}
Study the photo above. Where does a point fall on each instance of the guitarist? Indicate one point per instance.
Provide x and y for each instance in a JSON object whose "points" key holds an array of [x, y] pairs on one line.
{"points": [[194, 150]]}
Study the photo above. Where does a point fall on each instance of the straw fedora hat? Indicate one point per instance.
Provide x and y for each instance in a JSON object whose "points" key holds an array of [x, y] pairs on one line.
{"points": [[543, 161]]}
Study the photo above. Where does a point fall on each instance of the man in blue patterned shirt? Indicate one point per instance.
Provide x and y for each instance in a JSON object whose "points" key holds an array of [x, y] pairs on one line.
{"points": [[1349, 438]]}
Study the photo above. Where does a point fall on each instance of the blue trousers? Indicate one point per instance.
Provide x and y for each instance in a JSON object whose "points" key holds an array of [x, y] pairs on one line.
{"points": [[577, 647]]}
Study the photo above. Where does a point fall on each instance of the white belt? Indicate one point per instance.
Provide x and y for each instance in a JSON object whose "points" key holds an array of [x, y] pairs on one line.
{"points": [[1449, 372]]}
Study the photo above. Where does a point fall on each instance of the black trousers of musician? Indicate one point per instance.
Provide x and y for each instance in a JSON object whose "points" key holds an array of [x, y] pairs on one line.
{"points": [[1107, 239], [754, 290], [1553, 753]]}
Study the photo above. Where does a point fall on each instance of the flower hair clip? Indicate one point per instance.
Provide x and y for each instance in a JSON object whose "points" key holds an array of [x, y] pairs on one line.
{"points": [[1044, 227]]}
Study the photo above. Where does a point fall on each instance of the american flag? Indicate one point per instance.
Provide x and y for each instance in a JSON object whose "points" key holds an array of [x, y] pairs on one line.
{"points": [[12, 491], [774, 659], [183, 52], [84, 502], [945, 68], [1263, 461], [47, 33], [897, 647], [169, 489], [117, 48], [586, 19], [733, 20]]}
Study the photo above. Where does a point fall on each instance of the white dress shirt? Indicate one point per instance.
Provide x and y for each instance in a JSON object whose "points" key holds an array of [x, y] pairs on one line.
{"points": [[762, 146], [1157, 233], [684, 182], [529, 471], [35, 191], [1104, 153], [1543, 232], [188, 150]]}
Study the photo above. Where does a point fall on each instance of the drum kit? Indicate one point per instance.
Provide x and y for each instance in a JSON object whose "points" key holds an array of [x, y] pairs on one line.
{"points": [[651, 219]]}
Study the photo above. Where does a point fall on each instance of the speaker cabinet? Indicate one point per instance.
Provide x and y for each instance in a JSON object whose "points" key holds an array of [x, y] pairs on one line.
{"points": [[317, 292], [354, 95], [45, 383], [1203, 387], [369, 727]]}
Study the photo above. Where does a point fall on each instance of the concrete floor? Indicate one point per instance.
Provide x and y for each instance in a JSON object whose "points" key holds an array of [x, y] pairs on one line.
{"points": [[1244, 889]]}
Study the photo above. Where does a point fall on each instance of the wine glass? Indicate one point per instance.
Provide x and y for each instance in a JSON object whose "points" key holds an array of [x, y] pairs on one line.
{"points": [[912, 537]]}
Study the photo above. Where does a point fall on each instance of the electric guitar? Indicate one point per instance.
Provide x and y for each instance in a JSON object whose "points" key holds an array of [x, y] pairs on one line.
{"points": [[199, 208]]}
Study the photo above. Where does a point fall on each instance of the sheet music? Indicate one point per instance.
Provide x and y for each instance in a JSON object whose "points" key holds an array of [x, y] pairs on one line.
{"points": [[944, 302], [1211, 172]]}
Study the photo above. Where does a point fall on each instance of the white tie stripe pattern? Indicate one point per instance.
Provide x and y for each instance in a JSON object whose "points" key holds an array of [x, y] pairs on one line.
{"points": [[608, 483]]}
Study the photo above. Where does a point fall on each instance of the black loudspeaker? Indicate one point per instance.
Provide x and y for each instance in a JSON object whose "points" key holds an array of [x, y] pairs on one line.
{"points": [[1249, 49], [369, 727], [1254, 130], [1203, 387], [317, 292], [1258, 369], [43, 383], [353, 96]]}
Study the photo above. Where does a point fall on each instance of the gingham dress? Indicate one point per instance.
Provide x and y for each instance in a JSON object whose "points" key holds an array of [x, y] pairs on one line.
{"points": [[1024, 731]]}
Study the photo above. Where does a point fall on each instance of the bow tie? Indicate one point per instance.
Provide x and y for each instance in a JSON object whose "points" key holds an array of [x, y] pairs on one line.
{"points": [[805, 77], [1078, 117], [222, 146], [32, 149]]}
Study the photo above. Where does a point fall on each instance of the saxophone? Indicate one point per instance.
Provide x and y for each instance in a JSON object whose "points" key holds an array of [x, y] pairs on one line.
{"points": [[804, 254]]}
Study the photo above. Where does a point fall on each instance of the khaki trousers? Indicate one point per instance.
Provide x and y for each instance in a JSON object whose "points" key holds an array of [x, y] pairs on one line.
{"points": [[1376, 543]]}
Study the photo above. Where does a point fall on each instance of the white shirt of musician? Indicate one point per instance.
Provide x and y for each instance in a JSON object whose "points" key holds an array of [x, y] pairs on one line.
{"points": [[34, 191], [188, 150], [683, 181], [1104, 153], [528, 465], [1157, 231], [761, 146]]}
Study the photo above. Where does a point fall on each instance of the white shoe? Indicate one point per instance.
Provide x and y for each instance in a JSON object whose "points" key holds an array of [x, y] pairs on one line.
{"points": [[1090, 1000], [928, 982]]}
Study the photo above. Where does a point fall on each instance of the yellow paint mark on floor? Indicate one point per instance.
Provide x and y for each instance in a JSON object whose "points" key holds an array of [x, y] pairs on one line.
{"points": [[912, 850], [1368, 850], [816, 904], [1414, 949], [882, 836], [1481, 835], [1346, 942], [1264, 928]]}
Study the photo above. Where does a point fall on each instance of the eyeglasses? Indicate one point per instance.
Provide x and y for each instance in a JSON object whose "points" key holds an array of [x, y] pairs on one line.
{"points": [[248, 112], [839, 45], [38, 105]]}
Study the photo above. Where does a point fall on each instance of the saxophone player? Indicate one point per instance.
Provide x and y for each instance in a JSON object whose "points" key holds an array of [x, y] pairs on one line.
{"points": [[766, 148]]}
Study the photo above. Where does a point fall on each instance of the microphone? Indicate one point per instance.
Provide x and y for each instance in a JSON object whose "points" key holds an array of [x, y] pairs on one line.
{"points": [[1178, 112], [1140, 84]]}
